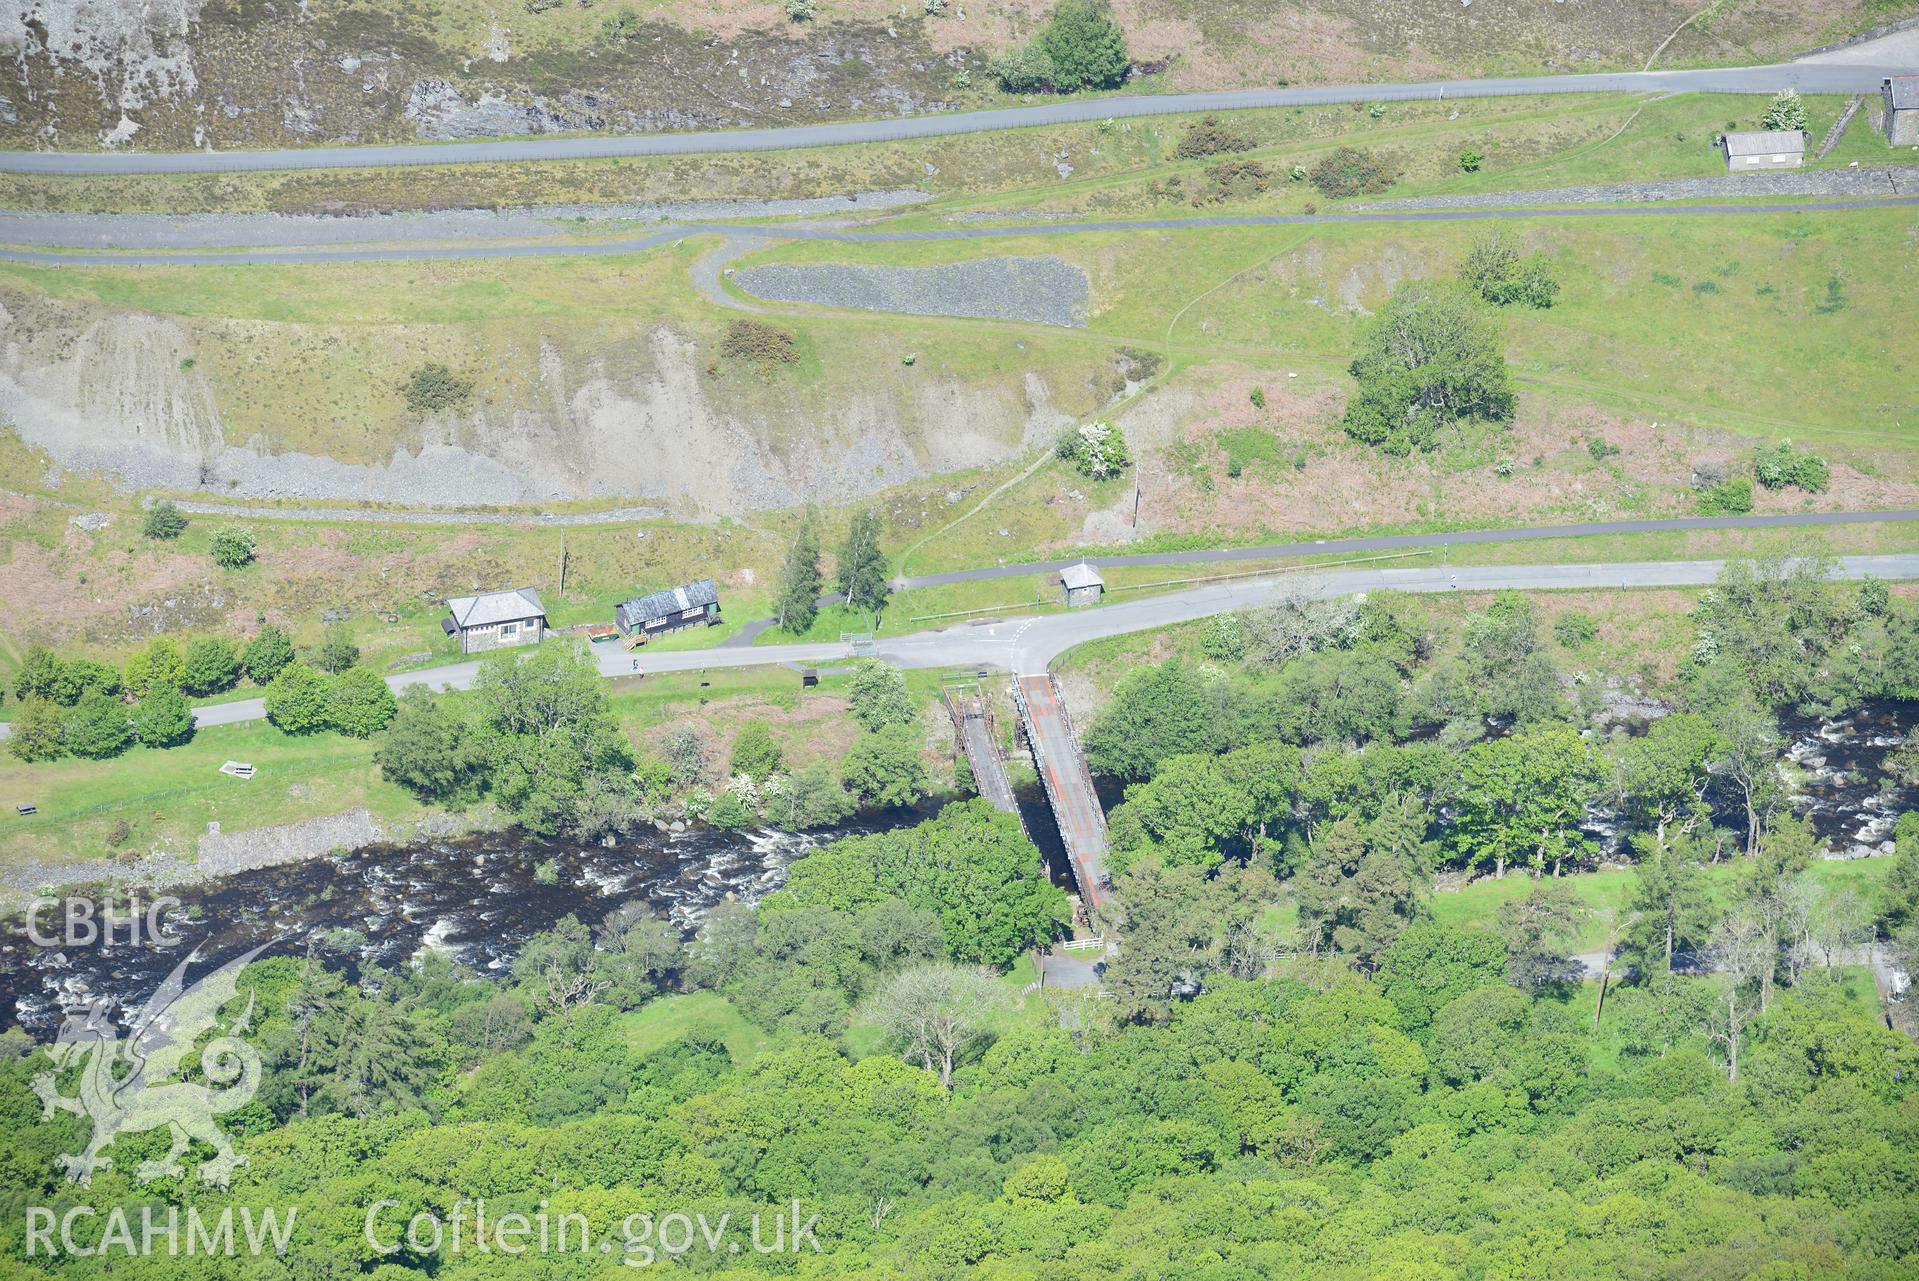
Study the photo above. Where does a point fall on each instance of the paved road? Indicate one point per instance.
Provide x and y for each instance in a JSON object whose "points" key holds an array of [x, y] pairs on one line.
{"points": [[751, 632], [1027, 646], [1806, 77], [705, 270]]}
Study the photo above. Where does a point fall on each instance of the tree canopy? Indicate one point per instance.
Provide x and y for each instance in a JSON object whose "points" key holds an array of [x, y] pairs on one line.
{"points": [[1430, 360]]}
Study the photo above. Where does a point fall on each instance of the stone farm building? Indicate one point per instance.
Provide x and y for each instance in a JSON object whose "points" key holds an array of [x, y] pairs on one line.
{"points": [[1902, 110], [1764, 149], [696, 602], [495, 620]]}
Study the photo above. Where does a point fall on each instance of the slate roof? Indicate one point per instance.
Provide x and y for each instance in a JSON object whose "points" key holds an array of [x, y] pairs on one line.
{"points": [[1080, 575], [1765, 142], [677, 600], [1905, 92], [496, 607]]}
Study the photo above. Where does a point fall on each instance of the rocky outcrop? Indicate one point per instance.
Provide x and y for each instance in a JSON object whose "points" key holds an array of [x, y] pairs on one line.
{"points": [[644, 416]]}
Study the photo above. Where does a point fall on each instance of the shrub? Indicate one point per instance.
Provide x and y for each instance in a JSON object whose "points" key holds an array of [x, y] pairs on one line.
{"points": [[1785, 111], [1778, 466], [337, 652], [266, 654], [1224, 639], [755, 754], [155, 666], [879, 696], [1085, 46], [624, 25], [296, 700], [433, 388], [97, 727], [1728, 498], [731, 812], [1601, 449], [163, 718], [233, 547], [1574, 629], [1210, 138], [359, 704], [1430, 359], [37, 735], [760, 345], [1258, 397], [1096, 450], [884, 768], [1875, 598], [1469, 161], [684, 749], [430, 751], [1351, 172], [38, 675], [44, 675], [1026, 70], [1233, 180], [1494, 270], [212, 665], [163, 520], [800, 10]]}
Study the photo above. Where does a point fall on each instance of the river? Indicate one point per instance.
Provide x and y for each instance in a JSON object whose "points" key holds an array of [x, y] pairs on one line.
{"points": [[480, 897]]}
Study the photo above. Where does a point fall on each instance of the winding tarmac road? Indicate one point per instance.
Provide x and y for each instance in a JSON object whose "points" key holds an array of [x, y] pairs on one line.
{"points": [[1805, 77], [1026, 646]]}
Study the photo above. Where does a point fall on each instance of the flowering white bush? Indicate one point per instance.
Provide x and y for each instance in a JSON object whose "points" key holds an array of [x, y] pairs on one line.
{"points": [[1097, 450]]}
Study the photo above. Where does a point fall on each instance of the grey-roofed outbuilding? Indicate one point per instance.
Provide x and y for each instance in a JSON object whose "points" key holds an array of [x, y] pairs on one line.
{"points": [[493, 620], [1764, 149], [1901, 109], [1081, 584]]}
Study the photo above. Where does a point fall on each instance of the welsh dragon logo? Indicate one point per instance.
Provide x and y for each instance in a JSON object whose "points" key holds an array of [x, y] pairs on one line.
{"points": [[136, 1085]]}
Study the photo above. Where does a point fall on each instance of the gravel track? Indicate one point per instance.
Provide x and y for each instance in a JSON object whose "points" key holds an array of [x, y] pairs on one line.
{"points": [[532, 222], [1895, 180], [361, 515], [1042, 290], [633, 244]]}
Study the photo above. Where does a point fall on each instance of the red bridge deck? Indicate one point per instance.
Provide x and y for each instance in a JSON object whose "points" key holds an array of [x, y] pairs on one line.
{"points": [[1068, 782]]}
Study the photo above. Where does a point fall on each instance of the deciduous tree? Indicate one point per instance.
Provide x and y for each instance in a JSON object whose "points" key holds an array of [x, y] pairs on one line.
{"points": [[934, 1013]]}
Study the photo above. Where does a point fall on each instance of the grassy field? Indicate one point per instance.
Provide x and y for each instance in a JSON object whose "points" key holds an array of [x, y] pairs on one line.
{"points": [[710, 1015], [1605, 894], [162, 801], [1786, 298], [707, 1015]]}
